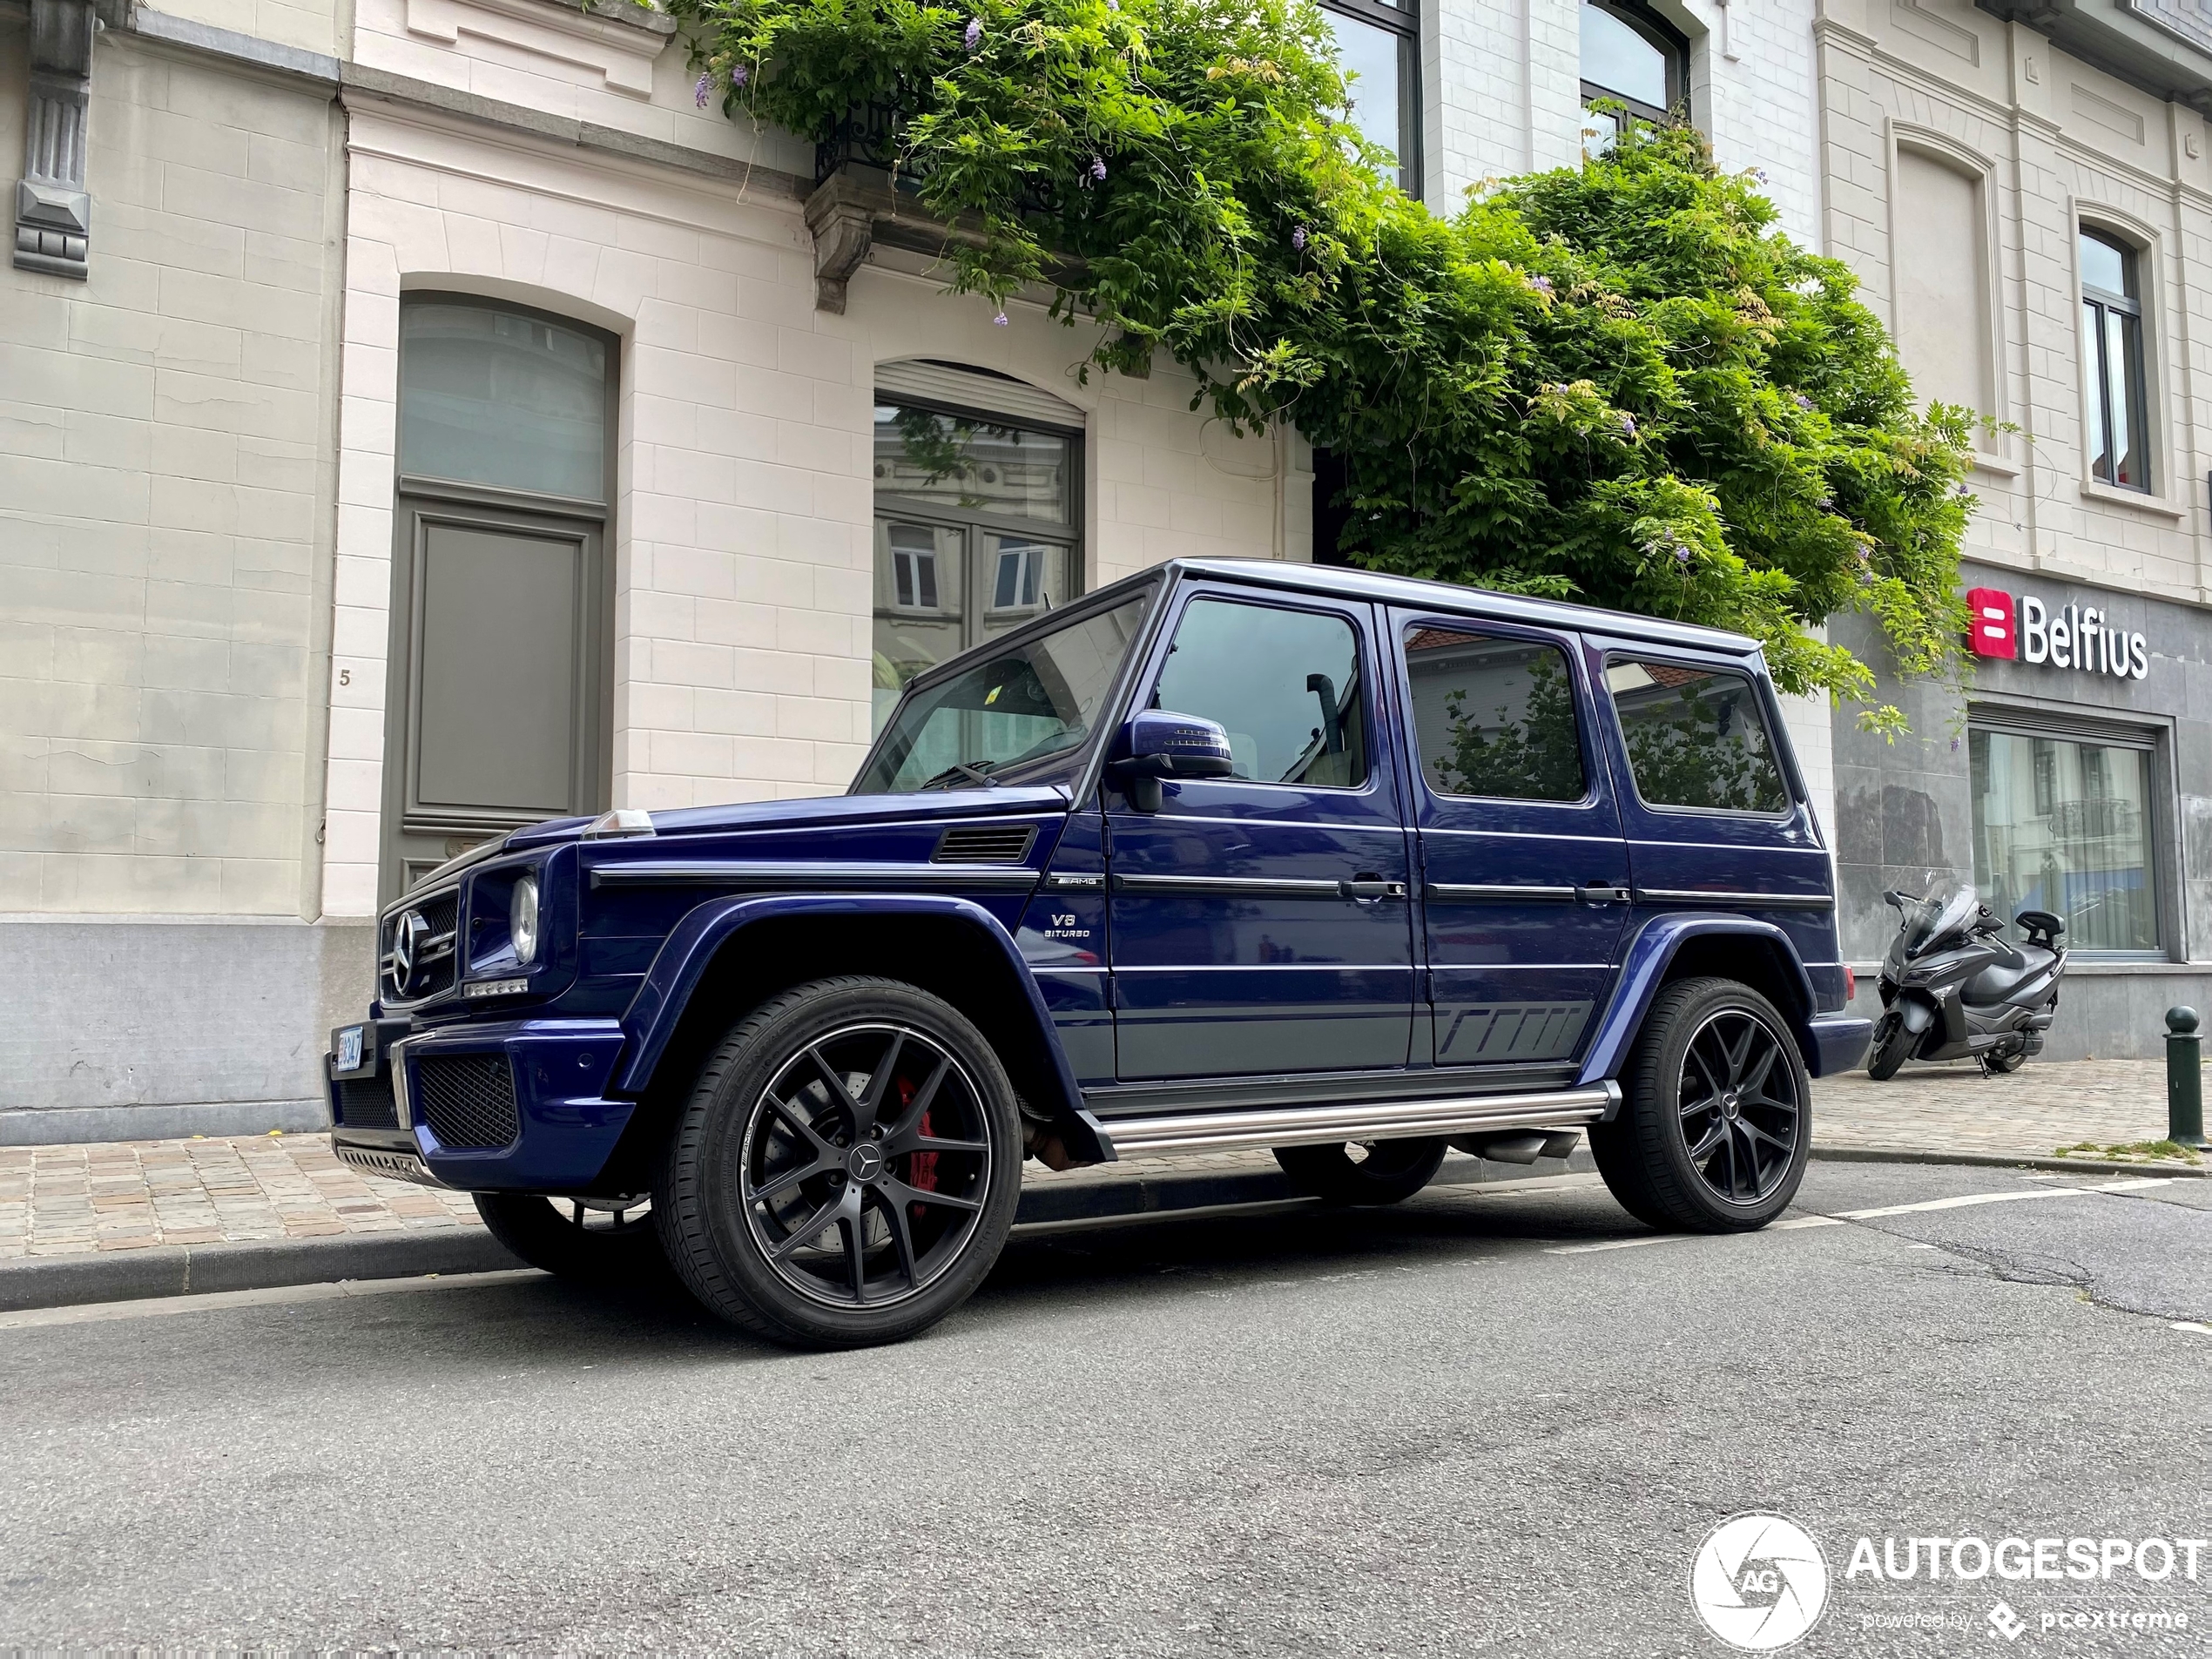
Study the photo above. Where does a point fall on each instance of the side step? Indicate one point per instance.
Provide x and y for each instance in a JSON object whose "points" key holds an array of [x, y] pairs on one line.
{"points": [[1190, 1133]]}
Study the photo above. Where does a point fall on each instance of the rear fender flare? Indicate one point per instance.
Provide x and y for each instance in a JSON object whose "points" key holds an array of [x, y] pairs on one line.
{"points": [[1644, 969], [692, 948]]}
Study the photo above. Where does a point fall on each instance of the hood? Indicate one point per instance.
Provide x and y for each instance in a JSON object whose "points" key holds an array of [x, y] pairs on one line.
{"points": [[817, 812]]}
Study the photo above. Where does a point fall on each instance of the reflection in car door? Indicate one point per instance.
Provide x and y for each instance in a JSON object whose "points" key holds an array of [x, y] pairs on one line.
{"points": [[1525, 873], [1261, 923]]}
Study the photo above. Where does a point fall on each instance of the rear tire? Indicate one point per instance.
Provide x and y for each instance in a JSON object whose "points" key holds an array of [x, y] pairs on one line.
{"points": [[2003, 1065], [1716, 1118], [847, 1169], [590, 1241], [1383, 1171], [1893, 1046]]}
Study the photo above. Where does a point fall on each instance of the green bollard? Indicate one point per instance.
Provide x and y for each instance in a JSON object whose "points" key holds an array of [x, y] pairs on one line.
{"points": [[2184, 1079]]}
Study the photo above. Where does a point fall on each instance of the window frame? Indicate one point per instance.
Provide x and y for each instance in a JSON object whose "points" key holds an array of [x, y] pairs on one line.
{"points": [[969, 523], [1484, 629], [1404, 22], [2160, 814], [1670, 41], [2096, 376], [1793, 790], [1147, 684]]}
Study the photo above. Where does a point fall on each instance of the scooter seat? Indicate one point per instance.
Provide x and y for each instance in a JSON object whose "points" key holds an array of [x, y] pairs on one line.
{"points": [[2000, 978]]}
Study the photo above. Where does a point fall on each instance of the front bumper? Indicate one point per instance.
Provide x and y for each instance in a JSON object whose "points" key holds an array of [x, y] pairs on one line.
{"points": [[512, 1106]]}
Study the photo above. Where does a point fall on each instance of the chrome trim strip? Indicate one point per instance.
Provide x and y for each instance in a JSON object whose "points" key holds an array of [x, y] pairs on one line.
{"points": [[1280, 887], [402, 1104], [1078, 881], [1192, 1133], [666, 873], [1478, 893], [1730, 901]]}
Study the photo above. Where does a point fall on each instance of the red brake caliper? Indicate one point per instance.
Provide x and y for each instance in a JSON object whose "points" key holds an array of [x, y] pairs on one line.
{"points": [[921, 1168]]}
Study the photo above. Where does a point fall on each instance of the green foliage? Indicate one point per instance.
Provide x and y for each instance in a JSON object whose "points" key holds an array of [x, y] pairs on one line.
{"points": [[1617, 382], [1537, 756]]}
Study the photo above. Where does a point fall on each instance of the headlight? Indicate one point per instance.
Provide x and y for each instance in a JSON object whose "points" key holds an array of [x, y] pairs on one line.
{"points": [[522, 920]]}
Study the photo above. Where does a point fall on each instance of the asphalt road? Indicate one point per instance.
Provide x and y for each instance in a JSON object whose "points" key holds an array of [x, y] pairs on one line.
{"points": [[1454, 1427]]}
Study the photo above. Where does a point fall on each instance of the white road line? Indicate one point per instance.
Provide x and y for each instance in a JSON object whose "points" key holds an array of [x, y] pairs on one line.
{"points": [[282, 1296], [1623, 1243]]}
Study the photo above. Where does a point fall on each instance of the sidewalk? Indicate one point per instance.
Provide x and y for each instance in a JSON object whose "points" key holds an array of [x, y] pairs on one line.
{"points": [[238, 1203]]}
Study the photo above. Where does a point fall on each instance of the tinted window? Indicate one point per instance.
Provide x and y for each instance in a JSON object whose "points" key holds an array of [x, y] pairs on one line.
{"points": [[1284, 685], [1493, 717], [1696, 738], [1039, 699]]}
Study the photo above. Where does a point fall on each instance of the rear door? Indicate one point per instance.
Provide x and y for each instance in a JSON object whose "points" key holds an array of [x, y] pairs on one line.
{"points": [[1261, 923], [1524, 873]]}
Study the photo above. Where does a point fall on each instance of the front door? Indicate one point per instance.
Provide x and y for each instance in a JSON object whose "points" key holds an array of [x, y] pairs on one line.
{"points": [[1260, 923], [1525, 872]]}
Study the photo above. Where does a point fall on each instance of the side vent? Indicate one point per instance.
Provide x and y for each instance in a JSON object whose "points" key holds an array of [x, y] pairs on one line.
{"points": [[985, 844]]}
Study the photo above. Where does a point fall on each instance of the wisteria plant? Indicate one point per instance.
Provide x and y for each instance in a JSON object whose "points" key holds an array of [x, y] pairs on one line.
{"points": [[1616, 382]]}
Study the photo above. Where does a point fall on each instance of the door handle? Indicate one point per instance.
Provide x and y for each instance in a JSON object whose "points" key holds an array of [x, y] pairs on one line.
{"points": [[1368, 889], [1598, 893]]}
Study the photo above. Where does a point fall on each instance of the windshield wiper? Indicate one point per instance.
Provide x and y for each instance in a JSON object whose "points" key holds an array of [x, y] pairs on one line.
{"points": [[961, 769]]}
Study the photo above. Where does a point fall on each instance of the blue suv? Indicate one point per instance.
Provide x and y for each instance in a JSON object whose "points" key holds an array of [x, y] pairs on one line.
{"points": [[1225, 855]]}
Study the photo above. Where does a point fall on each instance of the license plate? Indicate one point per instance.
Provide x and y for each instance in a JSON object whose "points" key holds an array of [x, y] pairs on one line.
{"points": [[349, 1049]]}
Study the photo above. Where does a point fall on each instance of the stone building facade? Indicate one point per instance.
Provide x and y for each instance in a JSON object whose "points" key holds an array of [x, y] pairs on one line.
{"points": [[351, 302]]}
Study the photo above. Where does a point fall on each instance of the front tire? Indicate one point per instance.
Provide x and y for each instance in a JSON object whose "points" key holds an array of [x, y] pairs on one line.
{"points": [[847, 1169], [592, 1241], [1716, 1118], [1363, 1172], [1893, 1046]]}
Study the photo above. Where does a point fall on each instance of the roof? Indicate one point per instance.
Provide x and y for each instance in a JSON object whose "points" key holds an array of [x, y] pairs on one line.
{"points": [[1451, 597]]}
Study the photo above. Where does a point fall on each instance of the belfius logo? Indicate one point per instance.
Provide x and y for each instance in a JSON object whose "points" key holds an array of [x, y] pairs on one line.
{"points": [[2025, 629]]}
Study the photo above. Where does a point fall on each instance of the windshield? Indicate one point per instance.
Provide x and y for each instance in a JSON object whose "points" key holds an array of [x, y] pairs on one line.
{"points": [[1015, 706], [1947, 910]]}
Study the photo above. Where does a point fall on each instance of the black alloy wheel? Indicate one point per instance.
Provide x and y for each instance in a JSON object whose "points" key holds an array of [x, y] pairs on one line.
{"points": [[846, 1168], [1714, 1123], [866, 1166]]}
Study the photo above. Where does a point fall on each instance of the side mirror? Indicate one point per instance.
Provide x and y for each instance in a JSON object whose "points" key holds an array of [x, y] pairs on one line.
{"points": [[1155, 744]]}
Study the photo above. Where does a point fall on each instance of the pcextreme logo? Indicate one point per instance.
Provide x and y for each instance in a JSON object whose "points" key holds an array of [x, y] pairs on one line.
{"points": [[1759, 1581]]}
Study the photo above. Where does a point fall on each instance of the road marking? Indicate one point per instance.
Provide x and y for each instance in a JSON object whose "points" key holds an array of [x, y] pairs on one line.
{"points": [[1968, 1200], [282, 1296], [2196, 1326], [1623, 1243]]}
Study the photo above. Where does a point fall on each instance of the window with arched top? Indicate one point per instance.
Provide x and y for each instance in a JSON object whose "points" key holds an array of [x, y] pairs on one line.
{"points": [[1632, 56], [2112, 361]]}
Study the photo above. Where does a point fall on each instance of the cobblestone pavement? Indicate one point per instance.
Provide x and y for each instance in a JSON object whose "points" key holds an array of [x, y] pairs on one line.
{"points": [[74, 1200]]}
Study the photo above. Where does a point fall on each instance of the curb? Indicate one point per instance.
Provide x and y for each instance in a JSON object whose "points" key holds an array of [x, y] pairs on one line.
{"points": [[1999, 1161], [191, 1270]]}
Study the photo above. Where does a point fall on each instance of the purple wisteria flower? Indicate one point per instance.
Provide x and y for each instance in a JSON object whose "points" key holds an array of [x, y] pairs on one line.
{"points": [[1297, 239], [974, 35], [1542, 285], [1000, 319], [1759, 173], [703, 90], [1626, 423], [1961, 491], [1801, 401], [1682, 553], [1098, 169], [739, 76]]}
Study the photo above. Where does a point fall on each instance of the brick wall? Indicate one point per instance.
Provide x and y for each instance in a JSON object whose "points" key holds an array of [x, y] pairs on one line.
{"points": [[164, 502]]}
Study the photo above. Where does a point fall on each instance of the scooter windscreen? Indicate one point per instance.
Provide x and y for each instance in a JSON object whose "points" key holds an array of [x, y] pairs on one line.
{"points": [[1946, 909]]}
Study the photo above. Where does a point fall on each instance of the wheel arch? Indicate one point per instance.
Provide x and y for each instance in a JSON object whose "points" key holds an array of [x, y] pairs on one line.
{"points": [[728, 955], [1757, 954]]}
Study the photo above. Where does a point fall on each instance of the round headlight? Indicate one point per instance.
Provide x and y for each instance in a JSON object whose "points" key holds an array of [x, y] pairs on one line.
{"points": [[522, 920]]}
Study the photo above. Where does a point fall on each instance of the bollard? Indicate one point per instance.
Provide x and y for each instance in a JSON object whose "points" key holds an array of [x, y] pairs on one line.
{"points": [[2184, 1079]]}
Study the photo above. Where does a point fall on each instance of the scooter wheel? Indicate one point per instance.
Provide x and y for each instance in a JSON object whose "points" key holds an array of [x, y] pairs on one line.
{"points": [[1893, 1046], [1999, 1065]]}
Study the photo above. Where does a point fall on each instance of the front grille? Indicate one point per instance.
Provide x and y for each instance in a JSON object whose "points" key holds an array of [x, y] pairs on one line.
{"points": [[985, 844], [366, 1103], [433, 956], [468, 1100]]}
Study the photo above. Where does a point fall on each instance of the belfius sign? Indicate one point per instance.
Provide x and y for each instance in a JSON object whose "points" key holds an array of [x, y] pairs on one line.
{"points": [[2074, 637]]}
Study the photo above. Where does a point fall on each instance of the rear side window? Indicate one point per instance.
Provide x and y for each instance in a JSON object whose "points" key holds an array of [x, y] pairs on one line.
{"points": [[1494, 717], [1696, 736], [1284, 685]]}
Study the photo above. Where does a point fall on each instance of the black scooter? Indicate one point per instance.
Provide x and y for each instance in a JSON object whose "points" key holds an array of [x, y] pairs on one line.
{"points": [[1952, 989]]}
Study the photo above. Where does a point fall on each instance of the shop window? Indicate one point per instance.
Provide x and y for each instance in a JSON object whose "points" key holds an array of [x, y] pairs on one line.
{"points": [[2063, 824], [1379, 45], [975, 534], [1632, 56], [1696, 738], [2118, 426]]}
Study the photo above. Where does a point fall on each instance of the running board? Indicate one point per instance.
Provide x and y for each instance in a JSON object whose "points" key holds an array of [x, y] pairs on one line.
{"points": [[1190, 1133]]}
